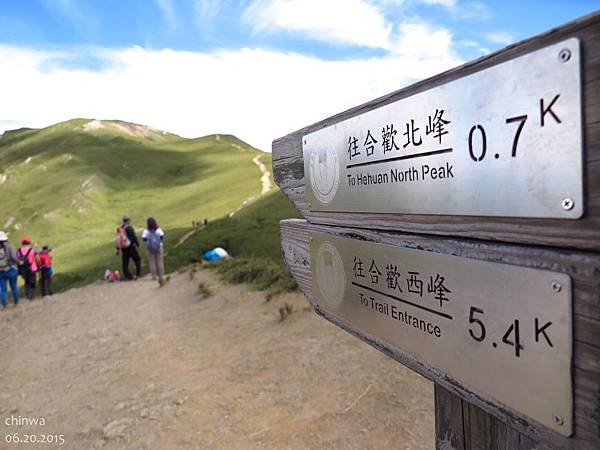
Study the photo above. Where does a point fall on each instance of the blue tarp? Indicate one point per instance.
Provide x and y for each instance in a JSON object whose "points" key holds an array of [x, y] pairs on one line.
{"points": [[216, 254]]}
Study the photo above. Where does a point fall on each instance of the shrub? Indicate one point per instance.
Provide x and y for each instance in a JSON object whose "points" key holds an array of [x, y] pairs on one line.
{"points": [[262, 274], [204, 290]]}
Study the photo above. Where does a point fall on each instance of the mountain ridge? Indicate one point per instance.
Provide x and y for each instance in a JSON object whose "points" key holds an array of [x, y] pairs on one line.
{"points": [[68, 185], [86, 124]]}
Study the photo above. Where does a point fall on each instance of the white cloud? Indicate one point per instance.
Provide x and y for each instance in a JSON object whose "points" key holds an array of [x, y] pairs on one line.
{"points": [[255, 94], [445, 3], [473, 45], [349, 22], [167, 9], [207, 9], [474, 10], [422, 40], [357, 22], [500, 37]]}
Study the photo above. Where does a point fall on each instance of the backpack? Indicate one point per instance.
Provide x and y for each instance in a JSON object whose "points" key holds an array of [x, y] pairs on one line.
{"points": [[122, 239], [25, 268], [153, 244], [4, 259]]}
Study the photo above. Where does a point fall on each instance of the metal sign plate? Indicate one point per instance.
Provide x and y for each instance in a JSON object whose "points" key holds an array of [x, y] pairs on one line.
{"points": [[504, 331], [505, 141]]}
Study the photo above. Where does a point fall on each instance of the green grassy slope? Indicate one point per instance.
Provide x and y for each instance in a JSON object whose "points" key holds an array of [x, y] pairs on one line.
{"points": [[253, 232], [250, 236], [68, 185]]}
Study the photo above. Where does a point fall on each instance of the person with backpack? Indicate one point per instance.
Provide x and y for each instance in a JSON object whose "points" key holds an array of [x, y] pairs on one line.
{"points": [[127, 244], [153, 236], [28, 270], [9, 260], [46, 270]]}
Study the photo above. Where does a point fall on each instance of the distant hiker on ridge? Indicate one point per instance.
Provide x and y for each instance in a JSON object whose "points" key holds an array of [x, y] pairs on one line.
{"points": [[46, 270], [153, 237], [28, 270], [9, 261], [127, 243]]}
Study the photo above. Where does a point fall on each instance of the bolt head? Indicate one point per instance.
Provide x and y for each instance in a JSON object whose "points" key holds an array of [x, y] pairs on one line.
{"points": [[558, 420], [564, 55], [567, 204], [556, 286]]}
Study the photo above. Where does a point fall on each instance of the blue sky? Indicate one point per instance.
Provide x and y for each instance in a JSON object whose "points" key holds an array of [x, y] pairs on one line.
{"points": [[204, 66]]}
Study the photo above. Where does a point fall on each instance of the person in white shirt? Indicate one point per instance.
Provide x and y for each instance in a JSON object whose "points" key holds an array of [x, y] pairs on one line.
{"points": [[153, 236]]}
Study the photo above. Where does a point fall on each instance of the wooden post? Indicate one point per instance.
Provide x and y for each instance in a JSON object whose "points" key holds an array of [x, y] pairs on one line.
{"points": [[461, 425], [465, 418]]}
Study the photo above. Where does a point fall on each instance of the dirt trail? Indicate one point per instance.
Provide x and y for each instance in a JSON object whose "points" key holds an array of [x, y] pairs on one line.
{"points": [[134, 366], [186, 236], [265, 179]]}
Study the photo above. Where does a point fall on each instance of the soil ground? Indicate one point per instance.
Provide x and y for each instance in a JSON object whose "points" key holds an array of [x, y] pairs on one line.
{"points": [[130, 365]]}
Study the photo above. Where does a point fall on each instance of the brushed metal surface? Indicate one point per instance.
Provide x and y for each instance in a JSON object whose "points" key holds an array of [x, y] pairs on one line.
{"points": [[505, 331], [505, 141]]}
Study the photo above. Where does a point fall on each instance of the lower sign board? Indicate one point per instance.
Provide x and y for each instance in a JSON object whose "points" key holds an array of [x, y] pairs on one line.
{"points": [[504, 331], [505, 141]]}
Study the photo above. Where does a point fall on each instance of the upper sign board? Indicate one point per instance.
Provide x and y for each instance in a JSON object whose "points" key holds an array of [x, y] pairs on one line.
{"points": [[505, 141]]}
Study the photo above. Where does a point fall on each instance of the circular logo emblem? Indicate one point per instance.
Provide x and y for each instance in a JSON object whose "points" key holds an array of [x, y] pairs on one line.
{"points": [[330, 274], [324, 174]]}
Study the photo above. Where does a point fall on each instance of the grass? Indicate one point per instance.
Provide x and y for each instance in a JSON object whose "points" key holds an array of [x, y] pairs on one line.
{"points": [[251, 237], [68, 187], [285, 311], [261, 274], [204, 290]]}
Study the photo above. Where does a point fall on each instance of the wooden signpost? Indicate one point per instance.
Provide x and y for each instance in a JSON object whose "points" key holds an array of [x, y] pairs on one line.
{"points": [[455, 226]]}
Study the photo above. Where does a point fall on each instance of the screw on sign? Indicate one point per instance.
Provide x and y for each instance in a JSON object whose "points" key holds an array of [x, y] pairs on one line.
{"points": [[567, 204], [556, 286], [564, 55]]}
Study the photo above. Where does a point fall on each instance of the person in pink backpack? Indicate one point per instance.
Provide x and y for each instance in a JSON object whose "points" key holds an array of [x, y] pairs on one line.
{"points": [[28, 270]]}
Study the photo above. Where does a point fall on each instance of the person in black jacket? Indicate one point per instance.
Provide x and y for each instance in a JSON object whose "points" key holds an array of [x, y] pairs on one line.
{"points": [[127, 244]]}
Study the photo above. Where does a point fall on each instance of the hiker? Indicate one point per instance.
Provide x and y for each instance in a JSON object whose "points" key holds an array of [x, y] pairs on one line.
{"points": [[153, 237], [9, 260], [28, 270], [46, 270], [127, 244]]}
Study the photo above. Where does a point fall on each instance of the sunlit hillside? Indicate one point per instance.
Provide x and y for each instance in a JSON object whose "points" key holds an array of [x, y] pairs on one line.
{"points": [[68, 185]]}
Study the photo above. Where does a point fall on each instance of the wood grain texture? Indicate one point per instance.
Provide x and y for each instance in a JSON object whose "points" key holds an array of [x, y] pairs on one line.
{"points": [[584, 233], [462, 426], [584, 269]]}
